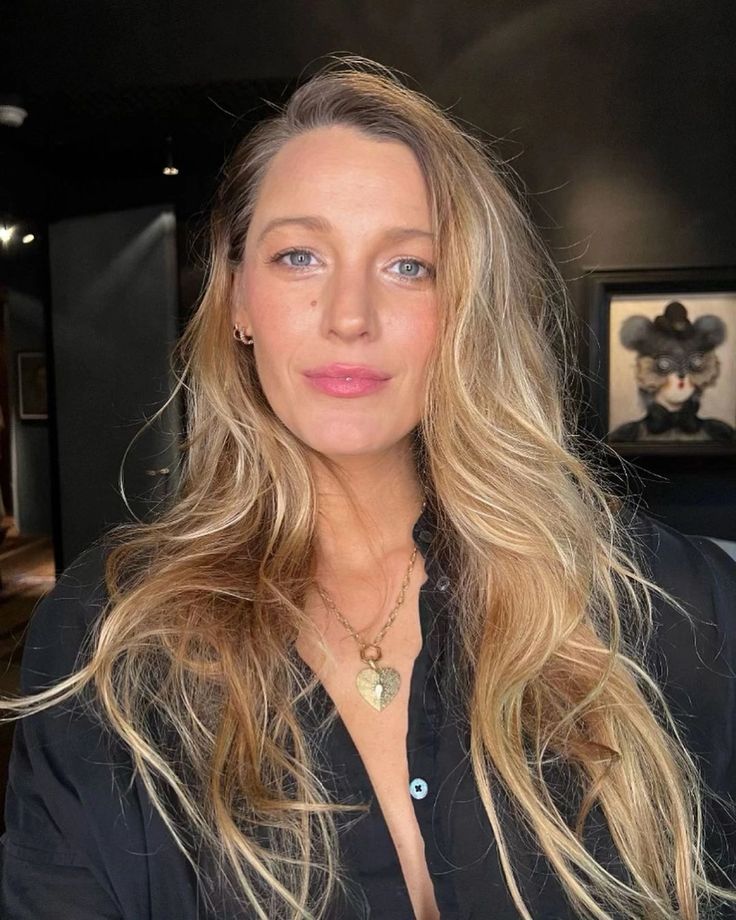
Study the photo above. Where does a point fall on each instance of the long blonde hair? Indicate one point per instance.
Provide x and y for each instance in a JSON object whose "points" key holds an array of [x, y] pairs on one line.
{"points": [[553, 611]]}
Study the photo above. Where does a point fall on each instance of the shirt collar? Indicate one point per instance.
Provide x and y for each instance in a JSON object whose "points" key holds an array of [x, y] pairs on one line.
{"points": [[424, 529]]}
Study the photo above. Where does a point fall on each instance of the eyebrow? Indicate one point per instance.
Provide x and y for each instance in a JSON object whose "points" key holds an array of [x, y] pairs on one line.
{"points": [[322, 225]]}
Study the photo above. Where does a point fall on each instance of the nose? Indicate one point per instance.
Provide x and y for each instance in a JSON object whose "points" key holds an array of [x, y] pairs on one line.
{"points": [[349, 303]]}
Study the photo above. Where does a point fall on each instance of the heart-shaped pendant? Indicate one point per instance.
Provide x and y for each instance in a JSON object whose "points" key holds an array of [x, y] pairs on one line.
{"points": [[378, 686]]}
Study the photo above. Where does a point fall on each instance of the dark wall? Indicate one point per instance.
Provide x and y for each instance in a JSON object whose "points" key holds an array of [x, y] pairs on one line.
{"points": [[29, 439], [620, 121], [621, 115], [115, 311]]}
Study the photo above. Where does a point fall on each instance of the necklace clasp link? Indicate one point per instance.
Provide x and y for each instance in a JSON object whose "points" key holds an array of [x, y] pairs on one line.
{"points": [[371, 654]]}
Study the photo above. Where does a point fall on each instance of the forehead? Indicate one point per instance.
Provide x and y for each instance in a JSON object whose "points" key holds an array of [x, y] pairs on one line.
{"points": [[341, 170]]}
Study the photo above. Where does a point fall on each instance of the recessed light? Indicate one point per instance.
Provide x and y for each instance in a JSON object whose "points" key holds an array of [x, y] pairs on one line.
{"points": [[12, 115], [169, 169]]}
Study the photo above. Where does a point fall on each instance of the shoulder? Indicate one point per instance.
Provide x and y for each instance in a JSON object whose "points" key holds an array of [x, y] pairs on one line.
{"points": [[693, 656], [63, 619], [694, 568], [81, 833], [701, 576]]}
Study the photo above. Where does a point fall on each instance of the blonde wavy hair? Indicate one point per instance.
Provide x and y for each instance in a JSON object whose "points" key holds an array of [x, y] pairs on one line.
{"points": [[552, 609]]}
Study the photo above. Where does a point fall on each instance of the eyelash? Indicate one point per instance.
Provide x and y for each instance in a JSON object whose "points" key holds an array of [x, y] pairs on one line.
{"points": [[425, 265]]}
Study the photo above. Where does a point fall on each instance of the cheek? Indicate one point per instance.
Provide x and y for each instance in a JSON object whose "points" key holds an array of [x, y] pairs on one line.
{"points": [[276, 313], [420, 338], [256, 294]]}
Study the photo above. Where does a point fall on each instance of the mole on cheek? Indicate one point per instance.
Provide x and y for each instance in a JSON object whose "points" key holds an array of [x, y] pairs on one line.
{"points": [[314, 303]]}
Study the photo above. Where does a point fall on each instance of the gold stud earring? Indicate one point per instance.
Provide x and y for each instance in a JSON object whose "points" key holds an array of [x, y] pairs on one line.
{"points": [[238, 334]]}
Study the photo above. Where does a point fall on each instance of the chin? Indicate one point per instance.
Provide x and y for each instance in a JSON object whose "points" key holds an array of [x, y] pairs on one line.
{"points": [[344, 437], [349, 444], [343, 450]]}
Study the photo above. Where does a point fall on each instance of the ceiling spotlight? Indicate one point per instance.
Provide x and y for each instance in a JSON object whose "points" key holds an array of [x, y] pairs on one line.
{"points": [[169, 169], [12, 112], [28, 238], [6, 233]]}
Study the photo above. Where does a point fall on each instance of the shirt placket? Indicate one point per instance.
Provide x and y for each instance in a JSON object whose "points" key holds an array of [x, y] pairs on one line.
{"points": [[427, 714]]}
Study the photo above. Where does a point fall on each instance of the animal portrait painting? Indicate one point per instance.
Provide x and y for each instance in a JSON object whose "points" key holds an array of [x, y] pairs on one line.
{"points": [[672, 369]]}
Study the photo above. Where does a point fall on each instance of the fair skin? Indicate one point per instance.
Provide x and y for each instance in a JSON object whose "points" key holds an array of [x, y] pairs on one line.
{"points": [[356, 292]]}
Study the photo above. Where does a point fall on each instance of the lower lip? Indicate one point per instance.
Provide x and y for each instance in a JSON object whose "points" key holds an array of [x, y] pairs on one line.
{"points": [[338, 386]]}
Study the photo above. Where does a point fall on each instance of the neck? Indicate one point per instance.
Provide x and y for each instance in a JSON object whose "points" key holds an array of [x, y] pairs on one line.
{"points": [[376, 523]]}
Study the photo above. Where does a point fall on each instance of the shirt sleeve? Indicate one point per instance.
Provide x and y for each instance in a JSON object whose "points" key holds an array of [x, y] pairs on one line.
{"points": [[45, 869], [694, 661]]}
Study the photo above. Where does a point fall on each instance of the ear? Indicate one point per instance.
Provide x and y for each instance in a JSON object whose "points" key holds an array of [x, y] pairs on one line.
{"points": [[238, 309], [635, 332]]}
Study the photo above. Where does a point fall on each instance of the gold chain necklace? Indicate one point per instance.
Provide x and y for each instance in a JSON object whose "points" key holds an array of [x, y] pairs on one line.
{"points": [[377, 684]]}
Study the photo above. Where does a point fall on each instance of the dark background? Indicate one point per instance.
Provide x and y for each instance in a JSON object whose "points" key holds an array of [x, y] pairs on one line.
{"points": [[618, 116]]}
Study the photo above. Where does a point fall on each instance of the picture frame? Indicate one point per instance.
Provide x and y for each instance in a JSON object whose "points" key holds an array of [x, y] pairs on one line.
{"points": [[32, 389], [662, 359]]}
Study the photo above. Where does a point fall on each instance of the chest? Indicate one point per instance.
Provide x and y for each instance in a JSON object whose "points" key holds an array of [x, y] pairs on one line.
{"points": [[372, 702], [380, 736]]}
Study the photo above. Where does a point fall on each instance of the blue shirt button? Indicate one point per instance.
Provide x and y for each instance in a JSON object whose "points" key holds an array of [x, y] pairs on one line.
{"points": [[443, 583], [418, 788]]}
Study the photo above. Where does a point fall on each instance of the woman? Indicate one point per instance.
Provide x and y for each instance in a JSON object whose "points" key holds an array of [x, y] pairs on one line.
{"points": [[388, 653]]}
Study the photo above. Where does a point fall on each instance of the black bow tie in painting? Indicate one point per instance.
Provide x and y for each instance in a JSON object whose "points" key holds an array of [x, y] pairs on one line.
{"points": [[659, 419]]}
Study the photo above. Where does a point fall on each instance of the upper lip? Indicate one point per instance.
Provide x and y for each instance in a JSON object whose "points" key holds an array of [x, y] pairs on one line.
{"points": [[348, 370]]}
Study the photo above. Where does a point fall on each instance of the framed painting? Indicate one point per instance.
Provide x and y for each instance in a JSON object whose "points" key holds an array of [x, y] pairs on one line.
{"points": [[662, 354], [32, 403]]}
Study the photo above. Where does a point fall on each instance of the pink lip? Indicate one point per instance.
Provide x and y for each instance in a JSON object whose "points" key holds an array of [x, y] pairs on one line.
{"points": [[356, 371], [339, 386]]}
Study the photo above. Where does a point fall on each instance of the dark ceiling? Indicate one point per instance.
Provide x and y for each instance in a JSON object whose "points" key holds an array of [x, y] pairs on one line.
{"points": [[72, 145], [105, 83], [117, 121]]}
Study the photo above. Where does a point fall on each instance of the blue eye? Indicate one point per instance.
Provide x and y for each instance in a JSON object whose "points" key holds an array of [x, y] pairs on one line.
{"points": [[293, 252], [301, 257], [429, 271]]}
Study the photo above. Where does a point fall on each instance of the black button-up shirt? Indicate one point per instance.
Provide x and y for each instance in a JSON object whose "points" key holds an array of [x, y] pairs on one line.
{"points": [[78, 845]]}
